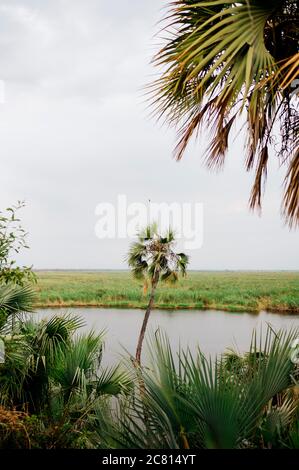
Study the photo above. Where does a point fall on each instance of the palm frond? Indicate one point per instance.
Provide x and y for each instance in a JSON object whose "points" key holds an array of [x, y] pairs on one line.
{"points": [[113, 381], [16, 299], [225, 60], [200, 403], [77, 363], [291, 194]]}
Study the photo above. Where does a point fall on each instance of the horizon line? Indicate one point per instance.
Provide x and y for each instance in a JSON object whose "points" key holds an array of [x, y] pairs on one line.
{"points": [[190, 270]]}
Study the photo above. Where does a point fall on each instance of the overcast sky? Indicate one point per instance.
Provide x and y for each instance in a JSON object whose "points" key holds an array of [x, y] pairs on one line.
{"points": [[75, 132]]}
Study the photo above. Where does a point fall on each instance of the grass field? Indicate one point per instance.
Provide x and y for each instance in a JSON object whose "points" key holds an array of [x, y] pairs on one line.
{"points": [[232, 291]]}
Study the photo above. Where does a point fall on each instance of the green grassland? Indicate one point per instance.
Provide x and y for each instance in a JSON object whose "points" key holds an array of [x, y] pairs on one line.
{"points": [[232, 291]]}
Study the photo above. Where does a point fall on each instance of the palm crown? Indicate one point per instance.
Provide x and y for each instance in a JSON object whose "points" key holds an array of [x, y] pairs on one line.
{"points": [[153, 257], [226, 59]]}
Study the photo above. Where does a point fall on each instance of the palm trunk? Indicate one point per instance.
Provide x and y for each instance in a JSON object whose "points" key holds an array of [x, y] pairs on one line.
{"points": [[146, 317]]}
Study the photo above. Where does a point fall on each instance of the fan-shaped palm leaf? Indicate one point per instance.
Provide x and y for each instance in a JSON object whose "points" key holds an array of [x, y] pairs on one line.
{"points": [[227, 59], [16, 299], [209, 404]]}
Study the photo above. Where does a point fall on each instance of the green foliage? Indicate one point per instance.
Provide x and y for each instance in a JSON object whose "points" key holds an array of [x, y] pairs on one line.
{"points": [[56, 375], [189, 401], [54, 392], [12, 241], [237, 402], [14, 300]]}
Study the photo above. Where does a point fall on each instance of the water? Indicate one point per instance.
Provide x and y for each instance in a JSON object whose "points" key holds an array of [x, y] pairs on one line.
{"points": [[213, 331]]}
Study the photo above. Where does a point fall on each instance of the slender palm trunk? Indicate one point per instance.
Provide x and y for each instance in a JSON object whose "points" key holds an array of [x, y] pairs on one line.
{"points": [[146, 317]]}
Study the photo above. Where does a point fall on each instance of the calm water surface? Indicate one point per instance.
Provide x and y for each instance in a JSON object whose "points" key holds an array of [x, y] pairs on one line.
{"points": [[213, 331]]}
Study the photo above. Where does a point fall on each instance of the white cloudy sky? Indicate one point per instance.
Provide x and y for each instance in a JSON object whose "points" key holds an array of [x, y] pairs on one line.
{"points": [[74, 132]]}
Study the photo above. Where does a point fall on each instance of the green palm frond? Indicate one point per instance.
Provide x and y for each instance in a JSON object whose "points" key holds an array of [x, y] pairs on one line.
{"points": [[183, 261], [278, 420], [113, 381], [148, 232], [76, 364], [199, 403], [224, 60], [53, 335], [16, 299], [15, 369]]}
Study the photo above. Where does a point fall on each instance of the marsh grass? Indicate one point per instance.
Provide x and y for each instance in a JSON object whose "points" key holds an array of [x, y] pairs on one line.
{"points": [[231, 291]]}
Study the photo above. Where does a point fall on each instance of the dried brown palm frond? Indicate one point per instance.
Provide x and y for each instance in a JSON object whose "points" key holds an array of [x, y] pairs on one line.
{"points": [[13, 428], [223, 60], [291, 195]]}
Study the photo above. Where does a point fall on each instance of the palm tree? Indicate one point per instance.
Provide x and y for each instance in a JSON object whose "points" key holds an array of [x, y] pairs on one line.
{"points": [[226, 59], [152, 259]]}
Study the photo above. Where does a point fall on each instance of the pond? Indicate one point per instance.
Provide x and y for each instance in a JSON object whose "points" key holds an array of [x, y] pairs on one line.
{"points": [[213, 331]]}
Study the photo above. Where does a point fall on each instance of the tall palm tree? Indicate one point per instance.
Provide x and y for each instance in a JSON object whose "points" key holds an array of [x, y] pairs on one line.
{"points": [[226, 59], [152, 259]]}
